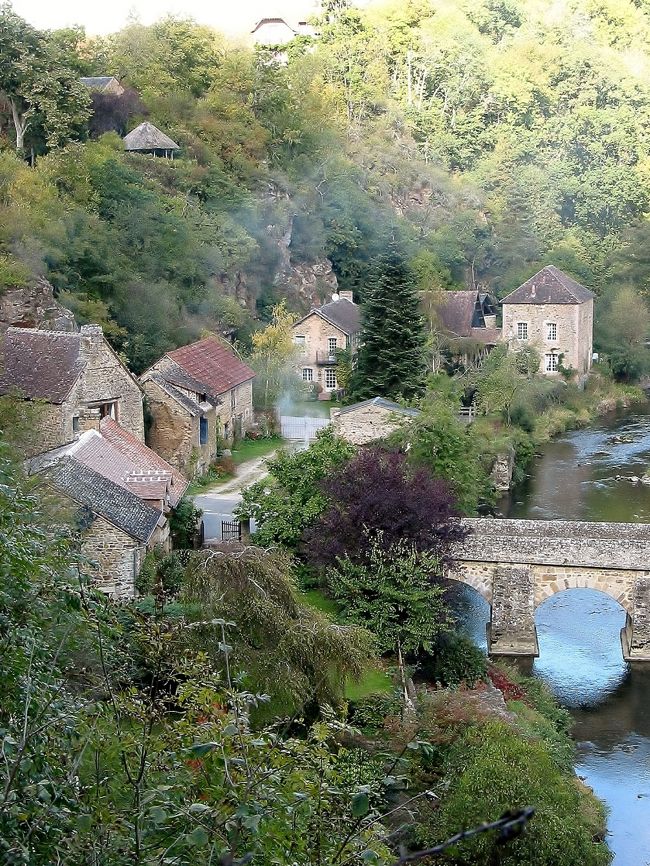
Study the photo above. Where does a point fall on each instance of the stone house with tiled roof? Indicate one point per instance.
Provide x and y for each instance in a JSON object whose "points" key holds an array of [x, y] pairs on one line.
{"points": [[122, 494], [76, 378], [320, 334], [199, 397], [554, 314]]}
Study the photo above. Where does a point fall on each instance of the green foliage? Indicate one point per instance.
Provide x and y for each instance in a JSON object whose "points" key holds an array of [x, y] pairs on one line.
{"points": [[391, 359], [454, 660], [493, 758], [370, 713], [450, 449], [184, 523], [392, 594], [287, 649], [289, 499]]}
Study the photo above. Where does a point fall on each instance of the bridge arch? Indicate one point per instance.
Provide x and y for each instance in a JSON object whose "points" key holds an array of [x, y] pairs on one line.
{"points": [[477, 579], [616, 586]]}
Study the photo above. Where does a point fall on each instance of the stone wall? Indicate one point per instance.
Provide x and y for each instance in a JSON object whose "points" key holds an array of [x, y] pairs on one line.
{"points": [[174, 433], [105, 379], [235, 404], [367, 424], [116, 556], [574, 331], [558, 542]]}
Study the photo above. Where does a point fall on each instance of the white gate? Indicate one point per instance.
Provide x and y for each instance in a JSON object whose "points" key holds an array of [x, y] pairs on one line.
{"points": [[302, 429]]}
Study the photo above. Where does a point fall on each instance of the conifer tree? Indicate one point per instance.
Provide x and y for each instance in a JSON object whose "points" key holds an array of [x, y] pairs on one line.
{"points": [[391, 359]]}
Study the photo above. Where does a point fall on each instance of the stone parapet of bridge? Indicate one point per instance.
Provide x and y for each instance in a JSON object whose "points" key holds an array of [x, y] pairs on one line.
{"points": [[517, 564]]}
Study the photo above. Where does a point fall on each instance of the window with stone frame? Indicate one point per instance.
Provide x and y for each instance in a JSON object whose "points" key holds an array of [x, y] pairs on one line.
{"points": [[330, 378], [75, 423], [307, 374], [522, 330], [551, 362], [203, 431], [332, 344], [551, 331], [299, 340]]}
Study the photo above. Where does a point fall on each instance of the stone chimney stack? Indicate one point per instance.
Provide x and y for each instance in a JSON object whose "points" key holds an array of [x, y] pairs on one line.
{"points": [[346, 295]]}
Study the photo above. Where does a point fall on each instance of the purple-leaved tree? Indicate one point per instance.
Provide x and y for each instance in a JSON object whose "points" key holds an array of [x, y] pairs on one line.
{"points": [[378, 495]]}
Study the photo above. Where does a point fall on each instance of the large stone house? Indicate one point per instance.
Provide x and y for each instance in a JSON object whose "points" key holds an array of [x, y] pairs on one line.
{"points": [[371, 420], [76, 378], [198, 396], [554, 314], [121, 494], [320, 334]]}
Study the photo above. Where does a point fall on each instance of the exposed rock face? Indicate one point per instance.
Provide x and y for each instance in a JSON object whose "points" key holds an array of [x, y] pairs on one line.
{"points": [[501, 474], [34, 306], [308, 283]]}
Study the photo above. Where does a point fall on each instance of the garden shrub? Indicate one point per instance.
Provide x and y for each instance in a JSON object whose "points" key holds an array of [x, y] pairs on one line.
{"points": [[492, 769], [455, 660], [369, 713]]}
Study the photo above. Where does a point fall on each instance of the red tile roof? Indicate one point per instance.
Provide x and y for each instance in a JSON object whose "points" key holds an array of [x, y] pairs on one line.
{"points": [[213, 364]]}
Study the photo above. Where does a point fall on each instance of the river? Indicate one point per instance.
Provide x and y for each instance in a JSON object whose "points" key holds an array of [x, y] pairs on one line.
{"points": [[585, 475]]}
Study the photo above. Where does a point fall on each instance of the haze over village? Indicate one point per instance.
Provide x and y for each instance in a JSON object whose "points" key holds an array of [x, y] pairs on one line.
{"points": [[325, 433]]}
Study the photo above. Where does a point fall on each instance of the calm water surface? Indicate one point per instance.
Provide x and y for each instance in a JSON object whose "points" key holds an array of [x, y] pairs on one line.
{"points": [[585, 475]]}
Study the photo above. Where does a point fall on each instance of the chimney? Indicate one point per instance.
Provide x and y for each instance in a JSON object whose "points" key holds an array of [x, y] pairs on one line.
{"points": [[346, 295], [95, 332]]}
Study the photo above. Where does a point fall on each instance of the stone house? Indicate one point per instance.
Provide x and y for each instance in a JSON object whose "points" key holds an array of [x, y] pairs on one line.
{"points": [[320, 334], [554, 314], [121, 494], [467, 327], [77, 380], [371, 420], [199, 397]]}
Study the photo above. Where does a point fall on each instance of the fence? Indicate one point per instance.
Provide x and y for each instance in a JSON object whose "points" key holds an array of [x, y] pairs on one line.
{"points": [[467, 413], [303, 429]]}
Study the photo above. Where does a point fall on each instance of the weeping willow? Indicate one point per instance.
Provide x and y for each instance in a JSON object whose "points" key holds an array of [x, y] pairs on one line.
{"points": [[281, 647]]}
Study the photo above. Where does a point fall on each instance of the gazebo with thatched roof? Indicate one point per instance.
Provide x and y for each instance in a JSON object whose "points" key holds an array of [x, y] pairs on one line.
{"points": [[147, 138]]}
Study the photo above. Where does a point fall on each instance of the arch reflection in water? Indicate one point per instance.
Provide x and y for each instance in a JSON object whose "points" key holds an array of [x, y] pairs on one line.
{"points": [[580, 654]]}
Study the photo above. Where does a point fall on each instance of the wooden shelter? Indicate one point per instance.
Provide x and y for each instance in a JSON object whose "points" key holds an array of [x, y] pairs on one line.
{"points": [[147, 138]]}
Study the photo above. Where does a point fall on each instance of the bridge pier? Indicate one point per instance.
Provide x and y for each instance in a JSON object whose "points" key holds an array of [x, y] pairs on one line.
{"points": [[635, 636], [511, 630]]}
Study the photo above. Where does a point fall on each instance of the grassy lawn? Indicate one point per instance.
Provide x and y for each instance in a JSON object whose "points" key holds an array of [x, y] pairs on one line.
{"points": [[373, 679], [249, 449]]}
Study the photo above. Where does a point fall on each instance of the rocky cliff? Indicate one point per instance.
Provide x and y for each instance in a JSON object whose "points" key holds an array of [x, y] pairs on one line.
{"points": [[34, 306]]}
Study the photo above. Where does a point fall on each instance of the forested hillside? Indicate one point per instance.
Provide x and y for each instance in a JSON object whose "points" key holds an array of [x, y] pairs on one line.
{"points": [[486, 138]]}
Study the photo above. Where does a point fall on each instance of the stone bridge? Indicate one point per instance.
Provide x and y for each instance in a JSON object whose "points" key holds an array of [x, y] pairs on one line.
{"points": [[517, 564]]}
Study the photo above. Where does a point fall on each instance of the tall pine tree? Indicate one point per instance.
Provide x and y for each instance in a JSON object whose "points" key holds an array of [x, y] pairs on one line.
{"points": [[391, 360]]}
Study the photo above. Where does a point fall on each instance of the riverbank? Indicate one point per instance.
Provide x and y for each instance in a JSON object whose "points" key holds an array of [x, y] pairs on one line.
{"points": [[551, 413]]}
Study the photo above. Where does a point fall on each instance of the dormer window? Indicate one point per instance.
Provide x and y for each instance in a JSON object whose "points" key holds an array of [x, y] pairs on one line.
{"points": [[522, 330]]}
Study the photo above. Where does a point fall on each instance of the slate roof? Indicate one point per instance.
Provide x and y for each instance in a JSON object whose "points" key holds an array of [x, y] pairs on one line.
{"points": [[458, 312], [148, 137], [102, 496], [40, 364], [343, 314], [549, 286], [384, 404], [212, 365], [190, 406]]}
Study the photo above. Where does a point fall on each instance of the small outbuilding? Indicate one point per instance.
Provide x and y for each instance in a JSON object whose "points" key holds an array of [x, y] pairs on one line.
{"points": [[103, 84], [147, 138], [371, 420]]}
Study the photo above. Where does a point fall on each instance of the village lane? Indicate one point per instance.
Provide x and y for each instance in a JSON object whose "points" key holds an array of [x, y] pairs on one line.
{"points": [[219, 502]]}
